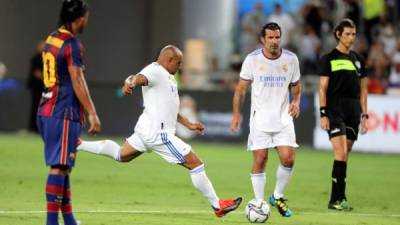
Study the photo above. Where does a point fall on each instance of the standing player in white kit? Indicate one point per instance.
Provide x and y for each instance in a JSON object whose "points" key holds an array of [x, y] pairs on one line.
{"points": [[155, 129], [273, 73]]}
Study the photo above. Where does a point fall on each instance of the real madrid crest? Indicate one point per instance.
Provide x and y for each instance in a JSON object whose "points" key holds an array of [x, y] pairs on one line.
{"points": [[285, 68]]}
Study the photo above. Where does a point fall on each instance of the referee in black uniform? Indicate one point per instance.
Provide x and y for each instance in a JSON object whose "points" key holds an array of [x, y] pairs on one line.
{"points": [[343, 101]]}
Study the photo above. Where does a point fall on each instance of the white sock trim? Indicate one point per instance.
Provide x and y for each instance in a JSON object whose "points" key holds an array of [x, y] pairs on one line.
{"points": [[257, 174], [198, 169]]}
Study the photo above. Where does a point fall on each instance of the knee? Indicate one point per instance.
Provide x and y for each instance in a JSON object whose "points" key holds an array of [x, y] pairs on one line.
{"points": [[59, 170], [124, 158], [340, 156], [127, 153], [288, 163], [192, 161], [192, 164]]}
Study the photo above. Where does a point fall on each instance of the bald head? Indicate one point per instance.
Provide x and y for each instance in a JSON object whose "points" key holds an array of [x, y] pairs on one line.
{"points": [[170, 51], [170, 58]]}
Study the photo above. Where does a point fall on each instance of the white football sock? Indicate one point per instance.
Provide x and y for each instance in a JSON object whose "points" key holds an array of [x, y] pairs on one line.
{"points": [[105, 147], [283, 175], [203, 184], [258, 181]]}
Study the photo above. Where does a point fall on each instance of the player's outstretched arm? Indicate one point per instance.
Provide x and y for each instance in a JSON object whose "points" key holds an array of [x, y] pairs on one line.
{"points": [[192, 126], [294, 107], [132, 81], [82, 93], [238, 100]]}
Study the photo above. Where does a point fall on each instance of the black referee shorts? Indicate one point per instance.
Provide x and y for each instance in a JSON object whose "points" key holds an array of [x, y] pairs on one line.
{"points": [[344, 118]]}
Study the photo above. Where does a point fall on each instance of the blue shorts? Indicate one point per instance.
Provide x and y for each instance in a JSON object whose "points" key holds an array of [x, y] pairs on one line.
{"points": [[60, 137]]}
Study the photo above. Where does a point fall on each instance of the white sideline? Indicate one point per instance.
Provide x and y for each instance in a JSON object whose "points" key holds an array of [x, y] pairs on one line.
{"points": [[196, 212]]}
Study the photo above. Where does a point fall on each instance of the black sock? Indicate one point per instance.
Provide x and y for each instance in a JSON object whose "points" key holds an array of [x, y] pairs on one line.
{"points": [[342, 180], [338, 181]]}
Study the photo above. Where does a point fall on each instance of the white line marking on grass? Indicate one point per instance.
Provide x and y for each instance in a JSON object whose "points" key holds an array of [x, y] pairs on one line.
{"points": [[196, 212]]}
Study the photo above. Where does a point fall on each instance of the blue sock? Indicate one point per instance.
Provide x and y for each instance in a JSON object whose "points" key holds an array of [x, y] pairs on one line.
{"points": [[54, 195], [66, 206]]}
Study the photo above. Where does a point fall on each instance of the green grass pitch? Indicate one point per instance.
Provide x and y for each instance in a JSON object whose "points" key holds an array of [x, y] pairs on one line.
{"points": [[149, 191]]}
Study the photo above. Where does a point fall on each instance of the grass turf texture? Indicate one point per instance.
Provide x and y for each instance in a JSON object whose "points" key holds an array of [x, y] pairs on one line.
{"points": [[150, 191]]}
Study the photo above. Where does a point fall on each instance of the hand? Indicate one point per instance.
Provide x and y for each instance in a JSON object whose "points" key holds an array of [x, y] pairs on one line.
{"points": [[197, 126], [235, 123], [364, 125], [294, 110], [129, 85], [127, 89], [325, 123], [95, 125]]}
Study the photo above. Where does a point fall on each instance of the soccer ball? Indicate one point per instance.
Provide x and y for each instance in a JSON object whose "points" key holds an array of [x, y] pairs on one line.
{"points": [[257, 211]]}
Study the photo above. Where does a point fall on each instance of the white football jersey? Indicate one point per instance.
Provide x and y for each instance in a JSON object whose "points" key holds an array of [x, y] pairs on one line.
{"points": [[271, 79], [161, 102]]}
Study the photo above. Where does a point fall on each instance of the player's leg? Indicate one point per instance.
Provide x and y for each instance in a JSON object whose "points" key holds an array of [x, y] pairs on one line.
{"points": [[285, 142], [56, 134], [125, 153], [174, 150], [203, 184], [66, 205], [258, 143], [284, 170], [257, 176], [337, 137], [103, 147], [339, 168], [283, 174], [54, 194], [343, 133], [351, 137], [199, 178], [349, 144], [74, 131], [55, 180]]}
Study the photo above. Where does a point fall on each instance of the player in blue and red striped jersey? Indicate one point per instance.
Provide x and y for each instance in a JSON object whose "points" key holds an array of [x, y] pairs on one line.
{"points": [[60, 114]]}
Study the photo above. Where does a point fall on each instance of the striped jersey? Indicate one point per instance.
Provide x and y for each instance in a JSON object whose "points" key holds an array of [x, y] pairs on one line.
{"points": [[270, 81], [62, 49]]}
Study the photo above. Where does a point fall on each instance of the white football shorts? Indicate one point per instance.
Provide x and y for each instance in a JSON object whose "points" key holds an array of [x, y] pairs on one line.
{"points": [[167, 145], [259, 139]]}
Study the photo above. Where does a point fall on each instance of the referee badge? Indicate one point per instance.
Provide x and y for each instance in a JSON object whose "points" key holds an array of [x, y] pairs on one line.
{"points": [[358, 64]]}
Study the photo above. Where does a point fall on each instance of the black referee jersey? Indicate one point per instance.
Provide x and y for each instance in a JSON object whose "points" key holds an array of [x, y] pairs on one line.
{"points": [[345, 72]]}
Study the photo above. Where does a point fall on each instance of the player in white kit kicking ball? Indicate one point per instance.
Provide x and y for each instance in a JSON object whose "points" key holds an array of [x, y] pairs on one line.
{"points": [[155, 129], [273, 73]]}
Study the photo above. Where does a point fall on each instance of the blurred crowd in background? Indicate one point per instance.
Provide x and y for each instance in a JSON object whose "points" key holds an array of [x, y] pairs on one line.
{"points": [[307, 30]]}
